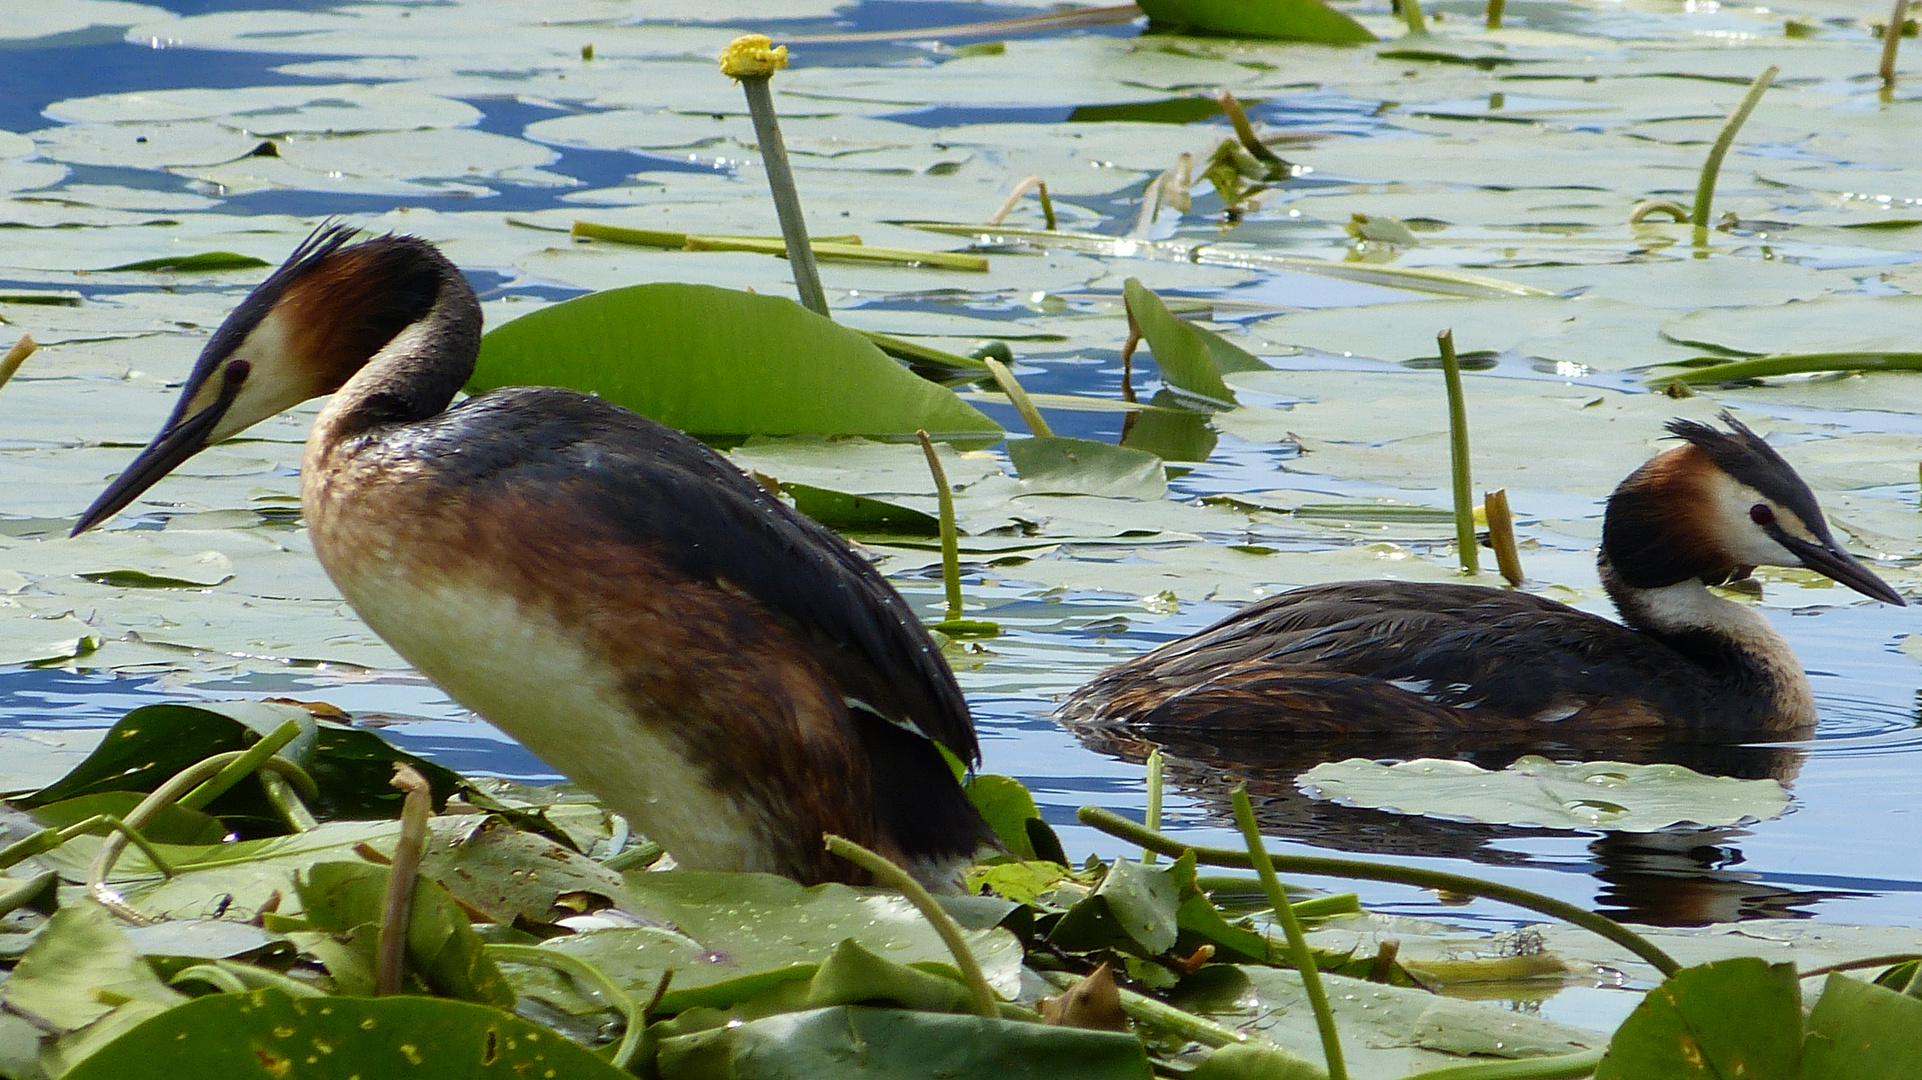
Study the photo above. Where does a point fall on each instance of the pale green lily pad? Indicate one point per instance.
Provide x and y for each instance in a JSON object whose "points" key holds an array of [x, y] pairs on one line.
{"points": [[1831, 324], [276, 110], [27, 637], [1538, 792], [736, 934]]}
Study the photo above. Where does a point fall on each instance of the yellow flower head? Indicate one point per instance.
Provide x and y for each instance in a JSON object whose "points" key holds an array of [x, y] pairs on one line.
{"points": [[752, 56]]}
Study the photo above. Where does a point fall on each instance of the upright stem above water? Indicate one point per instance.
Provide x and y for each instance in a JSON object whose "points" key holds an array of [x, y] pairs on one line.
{"points": [[752, 60]]}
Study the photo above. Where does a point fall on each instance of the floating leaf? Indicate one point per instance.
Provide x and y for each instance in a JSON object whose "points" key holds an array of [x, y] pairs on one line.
{"points": [[266, 1033], [1740, 1017], [1279, 20], [198, 263], [1859, 1031], [884, 1044], [1059, 466], [1547, 794], [718, 362]]}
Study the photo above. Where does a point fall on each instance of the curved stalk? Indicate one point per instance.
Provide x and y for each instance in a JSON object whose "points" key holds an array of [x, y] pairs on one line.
{"points": [[1304, 960], [893, 877]]}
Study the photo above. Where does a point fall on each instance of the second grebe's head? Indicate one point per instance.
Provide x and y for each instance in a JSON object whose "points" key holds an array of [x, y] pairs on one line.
{"points": [[301, 334], [1718, 505]]}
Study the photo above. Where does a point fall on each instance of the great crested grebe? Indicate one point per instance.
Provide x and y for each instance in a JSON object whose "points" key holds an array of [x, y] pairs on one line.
{"points": [[726, 673], [1392, 656]]}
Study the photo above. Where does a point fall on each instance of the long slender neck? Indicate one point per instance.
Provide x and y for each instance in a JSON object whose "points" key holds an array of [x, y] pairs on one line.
{"points": [[1728, 640], [414, 375]]}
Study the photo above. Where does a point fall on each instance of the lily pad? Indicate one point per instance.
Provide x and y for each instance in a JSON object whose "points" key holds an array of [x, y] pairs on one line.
{"points": [[1546, 794], [717, 362], [1860, 1031], [1740, 1017], [1281, 20], [1058, 466], [267, 1034]]}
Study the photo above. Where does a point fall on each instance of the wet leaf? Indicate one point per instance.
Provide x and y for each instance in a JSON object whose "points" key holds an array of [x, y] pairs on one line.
{"points": [[1282, 20], [718, 362], [1860, 1031], [1058, 466], [199, 262], [1739, 1017], [266, 1034], [881, 1044], [1186, 361], [1007, 807], [1144, 901], [347, 900], [1538, 792]]}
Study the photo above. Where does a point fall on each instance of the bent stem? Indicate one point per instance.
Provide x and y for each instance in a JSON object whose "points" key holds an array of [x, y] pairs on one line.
{"points": [[1705, 187], [1014, 198], [950, 536], [16, 356], [1559, 1067], [242, 766], [1245, 131], [397, 906], [1501, 535], [632, 1013], [887, 874], [1299, 953], [1458, 455], [1115, 825]]}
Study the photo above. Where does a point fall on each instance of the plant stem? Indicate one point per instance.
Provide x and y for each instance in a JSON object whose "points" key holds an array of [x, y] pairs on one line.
{"points": [[1458, 455], [1303, 958], [1890, 960], [1245, 131], [286, 801], [1152, 819], [1559, 1067], [1411, 14], [1014, 198], [1146, 1010], [16, 356], [240, 767], [1794, 364], [1890, 41], [1495, 8], [1501, 534], [569, 964], [397, 906], [140, 816], [1705, 187], [751, 60], [887, 874], [1641, 211], [1115, 825], [1019, 399], [950, 536]]}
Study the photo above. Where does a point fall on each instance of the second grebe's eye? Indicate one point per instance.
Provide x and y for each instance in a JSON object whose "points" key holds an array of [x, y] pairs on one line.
{"points": [[1761, 514]]}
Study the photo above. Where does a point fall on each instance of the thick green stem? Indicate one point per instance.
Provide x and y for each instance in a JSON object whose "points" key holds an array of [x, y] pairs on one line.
{"points": [[1495, 9], [1458, 455], [1712, 168], [1299, 953], [1019, 399], [891, 876], [1411, 14], [1152, 819], [241, 767], [787, 199], [950, 536], [1117, 826]]}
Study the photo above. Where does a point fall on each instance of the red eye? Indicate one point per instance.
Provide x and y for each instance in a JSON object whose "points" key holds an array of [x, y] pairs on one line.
{"points": [[1761, 514]]}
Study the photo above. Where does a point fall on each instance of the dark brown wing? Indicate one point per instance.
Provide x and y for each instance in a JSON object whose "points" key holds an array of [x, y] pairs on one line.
{"points": [[1385, 655]]}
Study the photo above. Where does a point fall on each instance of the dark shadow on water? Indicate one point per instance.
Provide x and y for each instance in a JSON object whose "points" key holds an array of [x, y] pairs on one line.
{"points": [[1676, 877]]}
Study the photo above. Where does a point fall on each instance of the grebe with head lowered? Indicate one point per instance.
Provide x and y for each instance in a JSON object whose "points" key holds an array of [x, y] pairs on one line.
{"points": [[1401, 657], [726, 673]]}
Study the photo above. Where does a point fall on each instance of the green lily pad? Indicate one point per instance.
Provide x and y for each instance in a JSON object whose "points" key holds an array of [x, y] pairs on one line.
{"points": [[347, 900], [735, 935], [267, 1035], [1279, 20], [1859, 1031], [200, 262], [1052, 465], [720, 363], [1546, 794], [890, 1044], [1740, 1017]]}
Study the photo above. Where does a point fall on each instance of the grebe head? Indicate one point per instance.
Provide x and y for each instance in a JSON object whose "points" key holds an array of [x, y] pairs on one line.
{"points": [[301, 334], [1717, 506]]}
